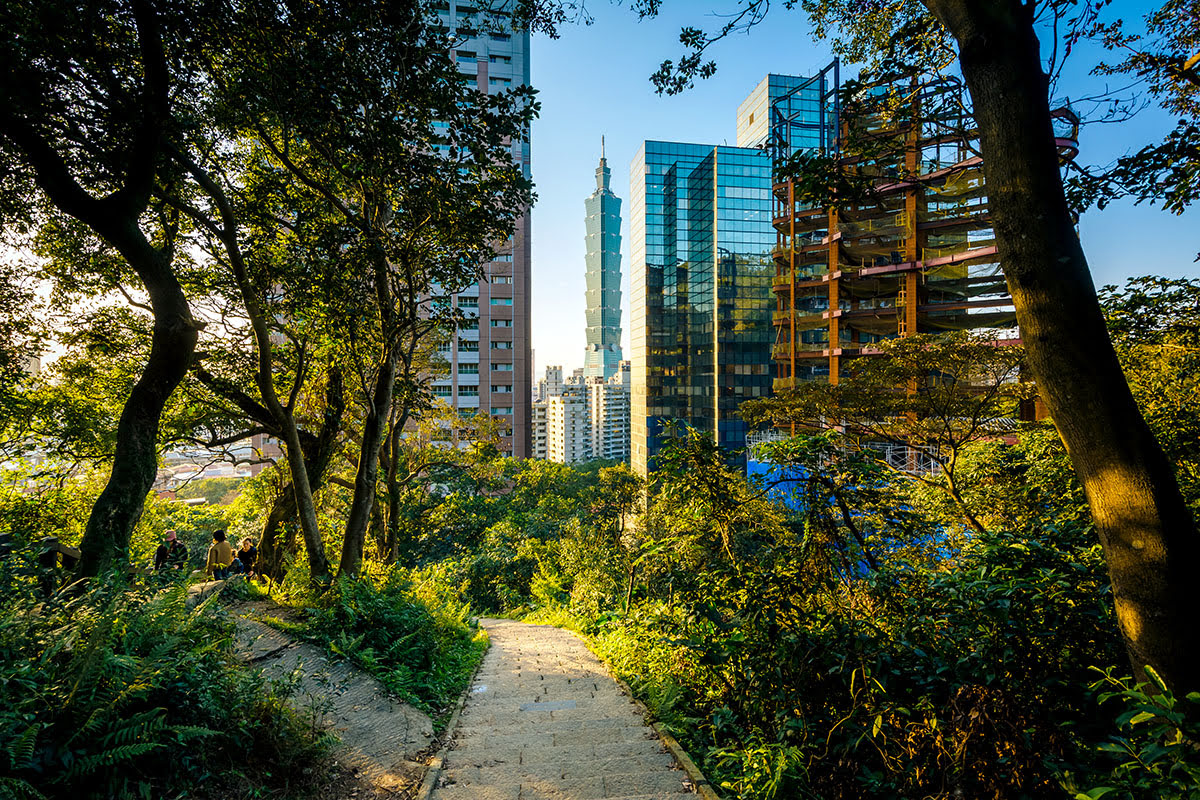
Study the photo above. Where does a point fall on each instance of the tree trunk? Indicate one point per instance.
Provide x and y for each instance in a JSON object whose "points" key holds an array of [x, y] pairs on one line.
{"points": [[1148, 534], [274, 543], [365, 478], [135, 460], [318, 452]]}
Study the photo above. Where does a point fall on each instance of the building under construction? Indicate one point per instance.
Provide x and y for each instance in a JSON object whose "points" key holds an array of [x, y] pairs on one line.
{"points": [[907, 246]]}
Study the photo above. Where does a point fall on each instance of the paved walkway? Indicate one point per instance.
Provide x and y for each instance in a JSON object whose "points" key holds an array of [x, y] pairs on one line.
{"points": [[545, 721], [378, 735]]}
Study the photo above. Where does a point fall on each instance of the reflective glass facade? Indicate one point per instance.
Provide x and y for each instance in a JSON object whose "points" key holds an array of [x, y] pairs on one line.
{"points": [[602, 355], [701, 283]]}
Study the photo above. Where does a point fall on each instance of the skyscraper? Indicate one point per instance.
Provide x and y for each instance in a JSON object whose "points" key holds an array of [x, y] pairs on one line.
{"points": [[701, 301], [491, 361], [602, 263]]}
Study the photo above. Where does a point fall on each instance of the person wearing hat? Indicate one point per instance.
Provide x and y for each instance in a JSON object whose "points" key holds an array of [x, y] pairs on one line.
{"points": [[171, 554]]}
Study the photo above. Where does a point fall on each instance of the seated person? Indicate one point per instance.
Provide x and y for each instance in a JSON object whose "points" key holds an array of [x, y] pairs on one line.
{"points": [[220, 556], [247, 555], [171, 554]]}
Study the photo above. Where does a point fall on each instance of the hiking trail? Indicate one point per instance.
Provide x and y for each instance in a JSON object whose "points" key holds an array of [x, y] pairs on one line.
{"points": [[545, 721]]}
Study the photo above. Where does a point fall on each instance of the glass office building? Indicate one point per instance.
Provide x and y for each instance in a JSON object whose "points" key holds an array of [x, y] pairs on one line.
{"points": [[701, 304], [602, 263], [786, 113]]}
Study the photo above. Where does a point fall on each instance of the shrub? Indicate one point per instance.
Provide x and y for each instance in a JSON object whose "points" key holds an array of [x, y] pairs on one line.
{"points": [[424, 654], [123, 691]]}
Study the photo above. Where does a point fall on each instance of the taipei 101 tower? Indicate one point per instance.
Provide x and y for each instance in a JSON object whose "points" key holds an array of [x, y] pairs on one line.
{"points": [[602, 356]]}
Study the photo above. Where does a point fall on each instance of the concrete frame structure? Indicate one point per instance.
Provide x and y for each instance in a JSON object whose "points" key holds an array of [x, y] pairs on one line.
{"points": [[917, 254]]}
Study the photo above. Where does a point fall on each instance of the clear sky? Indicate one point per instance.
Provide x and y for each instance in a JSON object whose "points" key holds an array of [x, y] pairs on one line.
{"points": [[595, 80]]}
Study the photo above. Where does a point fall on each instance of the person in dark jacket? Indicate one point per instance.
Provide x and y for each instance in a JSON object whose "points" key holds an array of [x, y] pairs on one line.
{"points": [[246, 556], [171, 554]]}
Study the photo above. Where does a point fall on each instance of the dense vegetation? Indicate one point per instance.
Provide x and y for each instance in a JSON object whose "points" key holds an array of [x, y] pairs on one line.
{"points": [[123, 691], [249, 220]]}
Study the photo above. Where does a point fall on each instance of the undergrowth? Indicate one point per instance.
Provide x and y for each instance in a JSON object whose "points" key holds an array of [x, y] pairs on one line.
{"points": [[425, 652], [123, 691]]}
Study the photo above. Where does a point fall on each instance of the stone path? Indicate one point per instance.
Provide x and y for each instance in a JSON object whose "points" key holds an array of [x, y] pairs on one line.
{"points": [[379, 736], [545, 721]]}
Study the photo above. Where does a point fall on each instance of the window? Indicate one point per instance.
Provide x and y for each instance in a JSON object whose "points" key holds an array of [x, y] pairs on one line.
{"points": [[441, 391], [500, 59], [495, 345], [502, 279], [501, 409], [502, 388], [500, 37], [468, 391], [502, 323], [468, 302], [499, 82], [502, 257], [502, 301], [469, 325], [502, 367], [466, 56], [468, 369], [469, 347]]}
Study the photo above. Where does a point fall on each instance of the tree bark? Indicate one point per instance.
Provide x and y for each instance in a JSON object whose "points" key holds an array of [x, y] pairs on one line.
{"points": [[226, 229], [318, 452], [367, 475], [116, 217], [1148, 534], [135, 460]]}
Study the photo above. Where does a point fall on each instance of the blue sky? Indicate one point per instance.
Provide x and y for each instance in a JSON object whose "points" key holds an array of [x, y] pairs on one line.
{"points": [[594, 80]]}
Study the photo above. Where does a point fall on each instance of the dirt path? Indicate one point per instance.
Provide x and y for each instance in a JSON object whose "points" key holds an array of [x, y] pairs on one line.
{"points": [[545, 721]]}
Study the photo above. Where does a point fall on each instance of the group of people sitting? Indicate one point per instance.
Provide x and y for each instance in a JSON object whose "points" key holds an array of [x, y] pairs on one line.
{"points": [[222, 561]]}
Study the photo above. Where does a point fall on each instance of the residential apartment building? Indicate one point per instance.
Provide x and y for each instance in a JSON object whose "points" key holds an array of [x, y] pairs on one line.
{"points": [[552, 384], [608, 419], [490, 357], [701, 302], [568, 438], [539, 435]]}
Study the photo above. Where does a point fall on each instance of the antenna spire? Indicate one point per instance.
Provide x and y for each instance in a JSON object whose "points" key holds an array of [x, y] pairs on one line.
{"points": [[602, 146]]}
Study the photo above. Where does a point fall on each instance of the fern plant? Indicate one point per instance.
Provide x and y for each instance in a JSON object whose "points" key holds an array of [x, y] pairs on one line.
{"points": [[121, 690]]}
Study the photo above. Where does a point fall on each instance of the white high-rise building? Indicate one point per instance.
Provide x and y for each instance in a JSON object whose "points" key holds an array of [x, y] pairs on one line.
{"points": [[552, 384], [622, 375], [539, 439], [608, 419], [567, 429]]}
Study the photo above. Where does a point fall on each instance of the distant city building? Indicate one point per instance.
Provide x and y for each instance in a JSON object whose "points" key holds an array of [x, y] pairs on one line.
{"points": [[552, 384], [576, 378], [490, 356], [701, 271], [602, 264], [608, 419], [567, 429], [539, 439], [790, 113], [622, 376]]}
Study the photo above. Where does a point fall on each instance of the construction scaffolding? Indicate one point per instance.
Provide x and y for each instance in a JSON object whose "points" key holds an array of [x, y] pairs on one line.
{"points": [[914, 253]]}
